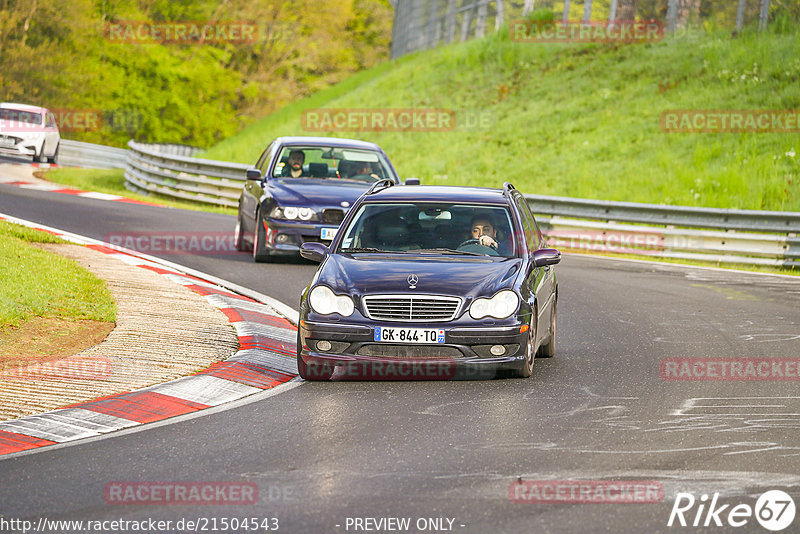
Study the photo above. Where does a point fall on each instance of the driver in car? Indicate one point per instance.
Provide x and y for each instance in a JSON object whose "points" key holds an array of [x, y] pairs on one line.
{"points": [[295, 163], [484, 232]]}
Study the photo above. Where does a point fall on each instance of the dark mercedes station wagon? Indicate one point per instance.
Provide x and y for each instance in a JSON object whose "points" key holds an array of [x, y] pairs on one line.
{"points": [[429, 282]]}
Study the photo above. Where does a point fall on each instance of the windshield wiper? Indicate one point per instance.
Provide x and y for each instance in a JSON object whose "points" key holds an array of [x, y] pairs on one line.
{"points": [[363, 249], [447, 251]]}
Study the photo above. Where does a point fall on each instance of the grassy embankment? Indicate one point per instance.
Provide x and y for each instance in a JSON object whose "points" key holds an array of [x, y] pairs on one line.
{"points": [[47, 302], [579, 120]]}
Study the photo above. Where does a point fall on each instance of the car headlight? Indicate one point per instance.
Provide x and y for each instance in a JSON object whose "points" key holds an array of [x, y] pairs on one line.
{"points": [[292, 213], [499, 306], [324, 301]]}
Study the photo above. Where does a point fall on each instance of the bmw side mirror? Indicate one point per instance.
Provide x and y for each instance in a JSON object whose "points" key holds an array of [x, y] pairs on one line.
{"points": [[412, 181], [546, 256], [253, 174], [313, 251]]}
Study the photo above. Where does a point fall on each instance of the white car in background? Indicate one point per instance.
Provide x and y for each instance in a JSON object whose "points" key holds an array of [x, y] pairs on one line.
{"points": [[28, 131]]}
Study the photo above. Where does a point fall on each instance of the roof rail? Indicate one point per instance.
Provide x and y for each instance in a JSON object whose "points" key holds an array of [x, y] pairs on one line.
{"points": [[379, 186], [507, 186]]}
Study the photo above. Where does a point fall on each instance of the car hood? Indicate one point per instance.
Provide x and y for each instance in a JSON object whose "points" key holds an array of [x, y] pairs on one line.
{"points": [[319, 192], [459, 276]]}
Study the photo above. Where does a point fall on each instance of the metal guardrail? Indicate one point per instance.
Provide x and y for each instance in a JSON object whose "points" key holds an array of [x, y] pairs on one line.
{"points": [[169, 170], [708, 234], [80, 154]]}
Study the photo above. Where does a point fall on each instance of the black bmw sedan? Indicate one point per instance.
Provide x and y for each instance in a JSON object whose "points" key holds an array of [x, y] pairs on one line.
{"points": [[300, 189], [429, 282]]}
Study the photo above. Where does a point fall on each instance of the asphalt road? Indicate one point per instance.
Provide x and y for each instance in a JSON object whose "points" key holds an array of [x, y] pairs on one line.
{"points": [[321, 453]]}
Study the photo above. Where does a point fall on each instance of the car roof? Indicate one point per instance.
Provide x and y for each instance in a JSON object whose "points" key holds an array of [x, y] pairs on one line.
{"points": [[439, 193], [327, 141], [22, 107]]}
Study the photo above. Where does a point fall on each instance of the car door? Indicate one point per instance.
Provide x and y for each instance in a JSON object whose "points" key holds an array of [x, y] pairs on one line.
{"points": [[539, 280]]}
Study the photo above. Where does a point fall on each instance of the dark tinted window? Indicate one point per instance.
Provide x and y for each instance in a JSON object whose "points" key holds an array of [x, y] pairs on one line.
{"points": [[528, 222]]}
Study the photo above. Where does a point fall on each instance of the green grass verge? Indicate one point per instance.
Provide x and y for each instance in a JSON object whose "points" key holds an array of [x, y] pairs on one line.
{"points": [[34, 282], [112, 181], [580, 120]]}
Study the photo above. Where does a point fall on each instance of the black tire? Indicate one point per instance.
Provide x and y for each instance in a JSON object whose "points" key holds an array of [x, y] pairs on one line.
{"points": [[39, 158], [530, 356], [54, 157], [316, 373], [549, 350], [238, 235], [259, 236]]}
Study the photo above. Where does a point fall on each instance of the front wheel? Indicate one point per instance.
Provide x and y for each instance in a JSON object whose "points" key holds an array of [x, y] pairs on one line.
{"points": [[549, 350], [527, 369], [53, 158], [259, 237], [238, 236]]}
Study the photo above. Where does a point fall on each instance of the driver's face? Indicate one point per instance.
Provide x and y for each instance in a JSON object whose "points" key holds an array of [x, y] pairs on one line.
{"points": [[482, 227], [296, 160]]}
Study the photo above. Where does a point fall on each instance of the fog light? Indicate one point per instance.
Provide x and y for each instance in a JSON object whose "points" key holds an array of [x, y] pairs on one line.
{"points": [[323, 346], [498, 350], [283, 238]]}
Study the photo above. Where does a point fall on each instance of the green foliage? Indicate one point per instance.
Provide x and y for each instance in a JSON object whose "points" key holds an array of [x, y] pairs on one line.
{"points": [[36, 282], [580, 120], [55, 54]]}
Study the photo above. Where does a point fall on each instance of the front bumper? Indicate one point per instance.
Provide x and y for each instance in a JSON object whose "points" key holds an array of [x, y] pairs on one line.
{"points": [[285, 238], [465, 353]]}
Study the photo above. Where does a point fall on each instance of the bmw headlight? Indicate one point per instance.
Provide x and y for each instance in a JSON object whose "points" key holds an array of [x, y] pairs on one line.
{"points": [[500, 306], [324, 301], [292, 213]]}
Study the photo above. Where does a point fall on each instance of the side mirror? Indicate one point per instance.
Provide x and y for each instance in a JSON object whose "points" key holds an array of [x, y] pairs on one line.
{"points": [[412, 181], [253, 174], [546, 256], [313, 251]]}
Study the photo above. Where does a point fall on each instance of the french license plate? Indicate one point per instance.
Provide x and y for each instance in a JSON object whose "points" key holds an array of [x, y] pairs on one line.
{"points": [[409, 335], [328, 233]]}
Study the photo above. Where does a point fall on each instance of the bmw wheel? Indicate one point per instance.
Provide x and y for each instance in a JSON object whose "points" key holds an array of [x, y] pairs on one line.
{"points": [[238, 237], [259, 237]]}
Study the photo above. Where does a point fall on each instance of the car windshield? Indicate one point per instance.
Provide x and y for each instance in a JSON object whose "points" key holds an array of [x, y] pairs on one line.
{"points": [[430, 228], [332, 162], [11, 116]]}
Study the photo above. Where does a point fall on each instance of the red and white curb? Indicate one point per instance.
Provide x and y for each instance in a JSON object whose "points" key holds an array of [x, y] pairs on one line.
{"points": [[56, 188], [266, 359]]}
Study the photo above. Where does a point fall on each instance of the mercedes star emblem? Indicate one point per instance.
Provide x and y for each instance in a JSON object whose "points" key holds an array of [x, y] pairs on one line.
{"points": [[412, 281]]}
